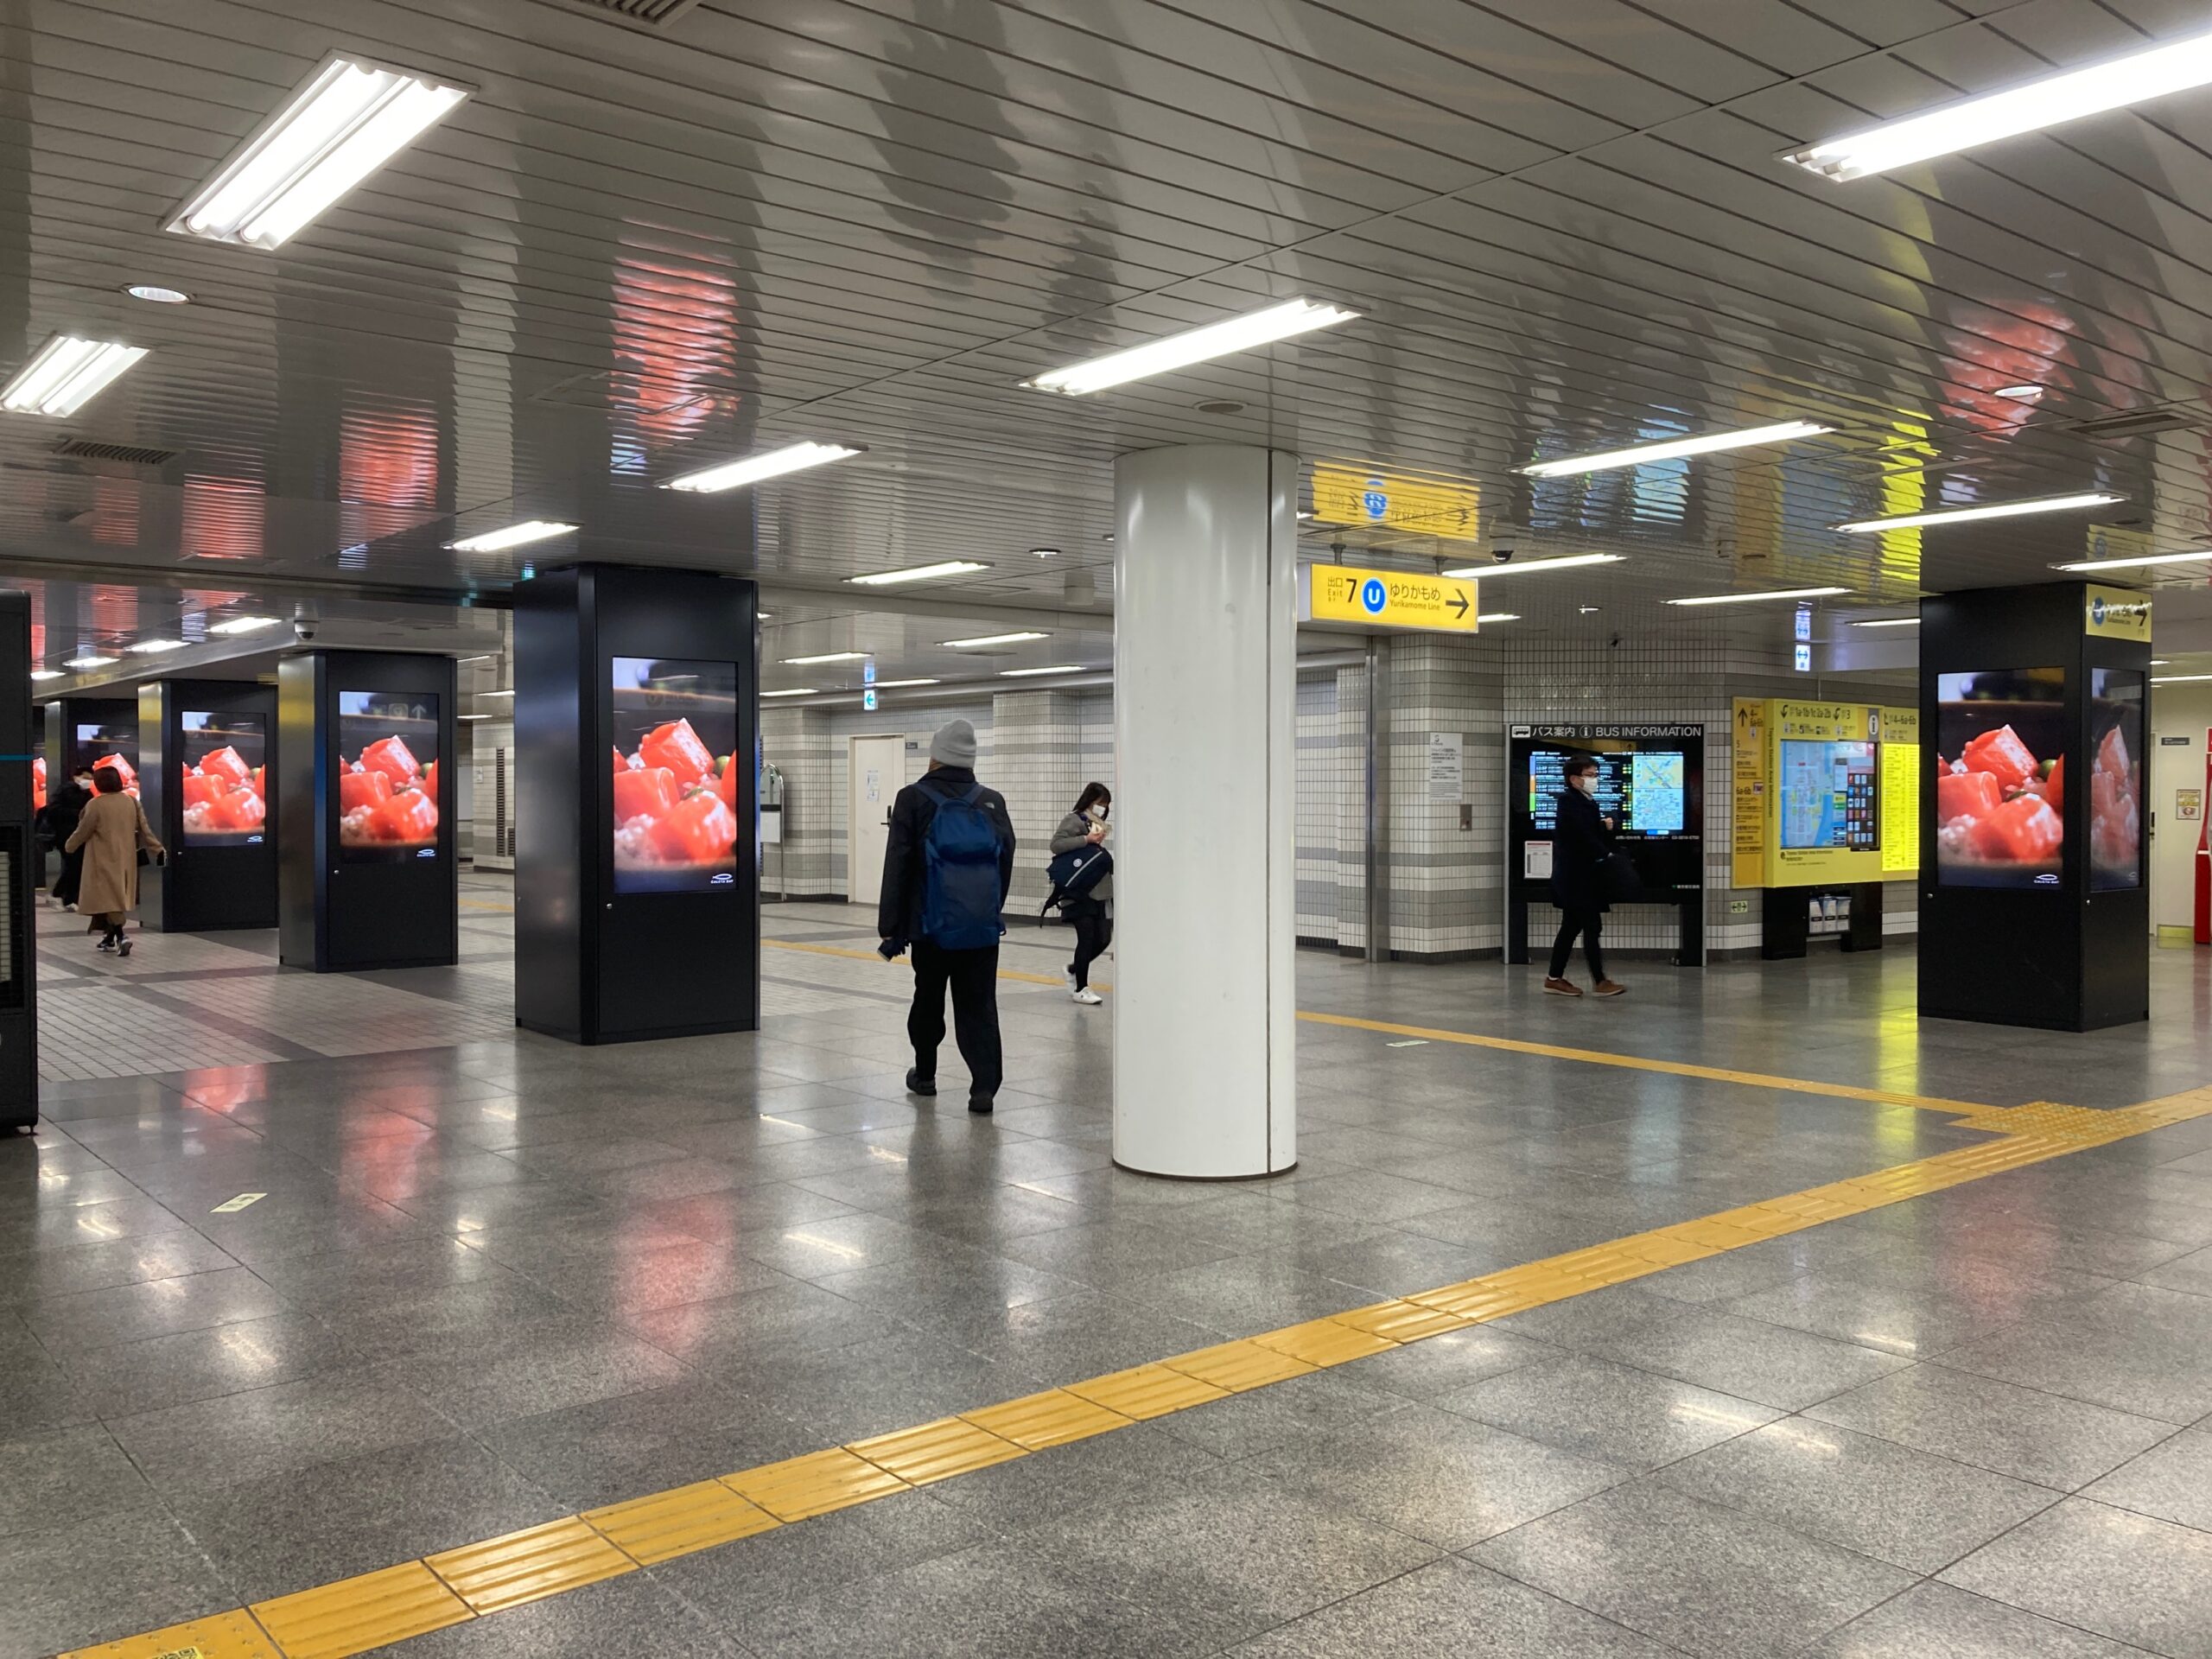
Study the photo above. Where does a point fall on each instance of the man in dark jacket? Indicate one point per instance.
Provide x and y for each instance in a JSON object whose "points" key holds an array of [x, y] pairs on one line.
{"points": [[972, 974], [1582, 839], [63, 810]]}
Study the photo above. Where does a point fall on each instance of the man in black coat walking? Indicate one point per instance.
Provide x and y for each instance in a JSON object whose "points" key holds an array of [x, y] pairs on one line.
{"points": [[1582, 840]]}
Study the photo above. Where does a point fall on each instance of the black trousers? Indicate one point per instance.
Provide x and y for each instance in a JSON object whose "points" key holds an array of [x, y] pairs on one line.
{"points": [[73, 871], [973, 976], [1094, 931], [1586, 923]]}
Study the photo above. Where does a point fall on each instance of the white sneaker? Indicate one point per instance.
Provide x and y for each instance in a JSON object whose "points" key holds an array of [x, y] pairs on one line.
{"points": [[1067, 977], [1089, 998]]}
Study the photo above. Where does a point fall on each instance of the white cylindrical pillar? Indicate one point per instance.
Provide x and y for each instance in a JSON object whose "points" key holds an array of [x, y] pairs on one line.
{"points": [[1205, 622]]}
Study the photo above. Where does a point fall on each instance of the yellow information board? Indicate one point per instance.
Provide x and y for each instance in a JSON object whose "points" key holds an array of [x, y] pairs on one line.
{"points": [[1354, 495], [2116, 614], [1387, 599], [1825, 793]]}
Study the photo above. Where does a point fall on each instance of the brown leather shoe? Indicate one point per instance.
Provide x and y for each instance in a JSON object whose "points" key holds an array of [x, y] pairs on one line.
{"points": [[1562, 986], [1607, 988]]}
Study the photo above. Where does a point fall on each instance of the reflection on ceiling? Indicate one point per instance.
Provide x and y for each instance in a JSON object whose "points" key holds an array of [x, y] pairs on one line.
{"points": [[632, 252]]}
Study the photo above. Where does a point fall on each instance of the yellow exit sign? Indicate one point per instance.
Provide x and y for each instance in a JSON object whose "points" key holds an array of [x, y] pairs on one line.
{"points": [[1346, 594]]}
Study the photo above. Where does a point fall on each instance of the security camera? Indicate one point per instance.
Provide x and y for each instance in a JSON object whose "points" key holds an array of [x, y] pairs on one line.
{"points": [[1502, 554], [303, 628]]}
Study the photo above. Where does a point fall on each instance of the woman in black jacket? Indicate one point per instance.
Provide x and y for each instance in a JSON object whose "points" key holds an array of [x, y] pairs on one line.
{"points": [[1582, 841]]}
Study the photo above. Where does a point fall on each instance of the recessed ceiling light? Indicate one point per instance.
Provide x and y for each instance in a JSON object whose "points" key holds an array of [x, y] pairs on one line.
{"points": [[1586, 610], [994, 640], [2026, 394], [1996, 510], [1234, 335], [795, 691], [2160, 662], [752, 469], [2139, 560], [1675, 449], [1566, 561], [1749, 599], [67, 374], [46, 674], [2034, 104], [244, 624], [1888, 622], [1025, 673], [154, 648], [917, 573], [1044, 552], [90, 662], [521, 535], [348, 120], [157, 294], [892, 685], [1498, 616], [825, 657]]}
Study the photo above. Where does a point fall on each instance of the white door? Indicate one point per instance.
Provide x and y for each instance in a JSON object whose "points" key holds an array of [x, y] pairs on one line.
{"points": [[879, 767]]}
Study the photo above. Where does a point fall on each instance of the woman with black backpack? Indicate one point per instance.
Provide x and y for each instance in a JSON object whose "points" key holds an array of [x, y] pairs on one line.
{"points": [[1083, 828]]}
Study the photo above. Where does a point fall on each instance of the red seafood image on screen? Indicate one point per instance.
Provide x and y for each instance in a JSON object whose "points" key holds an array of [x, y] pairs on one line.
{"points": [[387, 799], [675, 792], [222, 781], [2001, 795]]}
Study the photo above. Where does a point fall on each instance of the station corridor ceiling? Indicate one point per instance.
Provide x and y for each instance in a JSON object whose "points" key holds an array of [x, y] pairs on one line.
{"points": [[636, 250]]}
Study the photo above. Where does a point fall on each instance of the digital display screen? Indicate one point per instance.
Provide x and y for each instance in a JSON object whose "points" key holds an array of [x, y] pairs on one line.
{"points": [[107, 743], [2115, 778], [2000, 778], [1829, 795], [1645, 792], [676, 800], [387, 776], [223, 775]]}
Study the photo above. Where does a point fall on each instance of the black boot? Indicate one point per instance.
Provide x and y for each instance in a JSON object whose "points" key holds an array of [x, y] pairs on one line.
{"points": [[918, 1085]]}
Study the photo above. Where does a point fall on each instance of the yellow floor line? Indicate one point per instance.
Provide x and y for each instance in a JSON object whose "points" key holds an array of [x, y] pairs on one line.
{"points": [[1514, 1045], [477, 1581]]}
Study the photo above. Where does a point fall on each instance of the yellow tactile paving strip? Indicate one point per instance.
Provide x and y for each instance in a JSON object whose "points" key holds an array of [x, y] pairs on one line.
{"points": [[1513, 1046], [380, 1608]]}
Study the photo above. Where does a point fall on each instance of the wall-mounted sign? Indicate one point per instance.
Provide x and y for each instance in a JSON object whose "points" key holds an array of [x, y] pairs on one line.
{"points": [[2116, 614], [1824, 791], [1801, 658], [1346, 595], [1354, 495], [1446, 773], [2189, 802]]}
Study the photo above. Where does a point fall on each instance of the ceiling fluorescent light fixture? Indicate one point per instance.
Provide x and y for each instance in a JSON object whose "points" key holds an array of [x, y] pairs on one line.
{"points": [[90, 662], [1044, 552], [752, 469], [2196, 557], [348, 120], [154, 648], [1565, 562], [67, 374], [46, 674], [2025, 394], [1498, 616], [2178, 679], [157, 294], [1749, 599], [1224, 339], [1025, 673], [244, 624], [892, 685], [521, 535], [917, 573], [1888, 622], [795, 691], [1705, 443], [2044, 102], [825, 657], [1995, 510], [983, 639]]}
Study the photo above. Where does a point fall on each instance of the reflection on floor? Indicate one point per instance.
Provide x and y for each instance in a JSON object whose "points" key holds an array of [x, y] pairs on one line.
{"points": [[496, 1279]]}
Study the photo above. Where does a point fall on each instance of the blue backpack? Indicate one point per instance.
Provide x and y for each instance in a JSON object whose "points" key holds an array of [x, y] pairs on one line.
{"points": [[960, 884]]}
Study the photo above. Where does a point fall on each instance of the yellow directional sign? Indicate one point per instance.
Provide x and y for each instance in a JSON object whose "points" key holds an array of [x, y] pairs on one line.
{"points": [[2116, 614], [1386, 599], [1353, 495]]}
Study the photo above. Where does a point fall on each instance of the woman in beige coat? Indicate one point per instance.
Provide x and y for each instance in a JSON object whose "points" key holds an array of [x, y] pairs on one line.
{"points": [[111, 831]]}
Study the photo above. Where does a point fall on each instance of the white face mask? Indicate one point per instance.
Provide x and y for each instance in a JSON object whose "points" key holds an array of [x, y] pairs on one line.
{"points": [[1586, 782], [1098, 810]]}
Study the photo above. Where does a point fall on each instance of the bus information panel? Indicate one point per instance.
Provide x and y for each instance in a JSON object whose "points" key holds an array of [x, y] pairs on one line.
{"points": [[1824, 793]]}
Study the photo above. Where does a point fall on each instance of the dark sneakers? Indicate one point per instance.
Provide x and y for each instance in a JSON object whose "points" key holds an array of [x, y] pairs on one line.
{"points": [[980, 1104], [1608, 988], [918, 1085]]}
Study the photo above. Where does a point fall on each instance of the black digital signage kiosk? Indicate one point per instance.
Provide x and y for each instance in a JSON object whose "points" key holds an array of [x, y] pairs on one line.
{"points": [[367, 874], [1650, 783], [2034, 708], [18, 877], [637, 890], [84, 731], [205, 778]]}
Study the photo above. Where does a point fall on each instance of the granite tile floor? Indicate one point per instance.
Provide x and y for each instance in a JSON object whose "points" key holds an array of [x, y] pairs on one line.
{"points": [[496, 1279]]}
